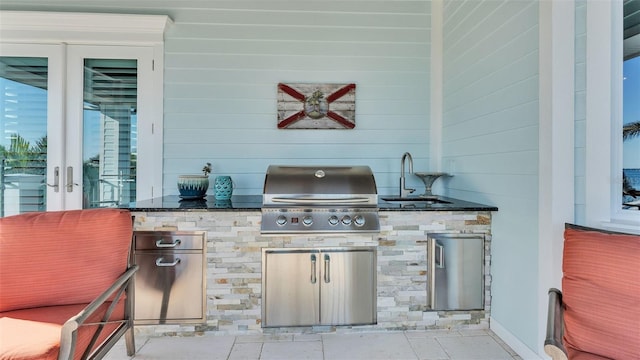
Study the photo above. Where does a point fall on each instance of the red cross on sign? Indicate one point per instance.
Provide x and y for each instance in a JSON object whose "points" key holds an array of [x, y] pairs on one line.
{"points": [[316, 106]]}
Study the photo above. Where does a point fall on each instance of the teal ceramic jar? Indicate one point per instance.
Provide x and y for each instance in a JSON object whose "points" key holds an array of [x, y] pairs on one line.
{"points": [[223, 187]]}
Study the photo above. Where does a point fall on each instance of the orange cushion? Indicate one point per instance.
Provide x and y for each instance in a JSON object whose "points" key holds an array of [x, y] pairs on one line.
{"points": [[601, 292], [574, 354], [53, 316], [62, 257], [28, 340], [49, 314]]}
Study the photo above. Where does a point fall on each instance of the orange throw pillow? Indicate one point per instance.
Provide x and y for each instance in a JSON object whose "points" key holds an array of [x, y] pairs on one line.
{"points": [[601, 292]]}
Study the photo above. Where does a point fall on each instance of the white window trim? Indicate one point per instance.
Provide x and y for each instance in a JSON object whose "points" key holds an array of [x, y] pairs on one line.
{"points": [[35, 27], [603, 175]]}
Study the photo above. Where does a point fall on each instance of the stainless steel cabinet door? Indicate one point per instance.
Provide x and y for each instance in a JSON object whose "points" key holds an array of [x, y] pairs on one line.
{"points": [[168, 286], [347, 290], [290, 287], [456, 278]]}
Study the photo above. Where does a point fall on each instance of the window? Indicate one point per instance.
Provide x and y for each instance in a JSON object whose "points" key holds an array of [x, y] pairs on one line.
{"points": [[23, 134], [631, 106], [631, 134], [605, 149]]}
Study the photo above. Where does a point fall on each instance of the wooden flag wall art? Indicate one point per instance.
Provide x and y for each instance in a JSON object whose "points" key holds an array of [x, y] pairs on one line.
{"points": [[316, 106]]}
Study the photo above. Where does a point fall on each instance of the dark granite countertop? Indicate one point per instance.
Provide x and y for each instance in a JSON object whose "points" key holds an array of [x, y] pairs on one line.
{"points": [[254, 202]]}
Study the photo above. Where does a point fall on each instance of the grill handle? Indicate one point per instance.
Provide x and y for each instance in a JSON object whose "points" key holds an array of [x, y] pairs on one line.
{"points": [[300, 200]]}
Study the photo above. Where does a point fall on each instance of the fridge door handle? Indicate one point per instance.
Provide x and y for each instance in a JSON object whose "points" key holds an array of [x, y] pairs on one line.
{"points": [[327, 268], [439, 256], [431, 286], [313, 269]]}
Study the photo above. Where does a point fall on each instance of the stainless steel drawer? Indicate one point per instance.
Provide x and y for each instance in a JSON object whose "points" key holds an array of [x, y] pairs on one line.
{"points": [[170, 283], [169, 240], [169, 288]]}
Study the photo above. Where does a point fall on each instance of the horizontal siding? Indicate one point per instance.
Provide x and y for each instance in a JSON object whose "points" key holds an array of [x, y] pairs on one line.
{"points": [[257, 122], [490, 141], [244, 53], [393, 79], [223, 60], [285, 33], [408, 47]]}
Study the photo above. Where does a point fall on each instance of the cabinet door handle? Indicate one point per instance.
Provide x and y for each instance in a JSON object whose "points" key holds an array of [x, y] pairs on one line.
{"points": [[160, 262], [160, 244], [327, 268], [313, 269]]}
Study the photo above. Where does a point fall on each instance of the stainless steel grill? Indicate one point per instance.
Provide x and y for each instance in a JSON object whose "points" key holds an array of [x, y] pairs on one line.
{"points": [[321, 199]]}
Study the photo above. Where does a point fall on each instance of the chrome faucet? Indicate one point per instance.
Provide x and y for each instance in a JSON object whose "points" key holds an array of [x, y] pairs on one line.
{"points": [[404, 191]]}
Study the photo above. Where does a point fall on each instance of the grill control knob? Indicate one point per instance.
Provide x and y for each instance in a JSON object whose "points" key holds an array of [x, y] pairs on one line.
{"points": [[307, 220], [333, 220], [346, 220], [358, 220], [281, 220]]}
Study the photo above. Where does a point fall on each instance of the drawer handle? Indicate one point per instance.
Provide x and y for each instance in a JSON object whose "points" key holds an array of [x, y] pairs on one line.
{"points": [[160, 244], [159, 262]]}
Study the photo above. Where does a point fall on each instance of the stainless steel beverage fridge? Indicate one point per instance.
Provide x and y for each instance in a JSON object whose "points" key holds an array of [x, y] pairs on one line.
{"points": [[455, 271]]}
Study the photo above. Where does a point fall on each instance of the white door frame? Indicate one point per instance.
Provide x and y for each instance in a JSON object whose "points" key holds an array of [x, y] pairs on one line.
{"points": [[33, 31]]}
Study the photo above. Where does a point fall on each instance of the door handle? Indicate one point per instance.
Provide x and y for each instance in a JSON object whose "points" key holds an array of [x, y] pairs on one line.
{"points": [[439, 258], [70, 182], [313, 269], [56, 179], [160, 262], [327, 268]]}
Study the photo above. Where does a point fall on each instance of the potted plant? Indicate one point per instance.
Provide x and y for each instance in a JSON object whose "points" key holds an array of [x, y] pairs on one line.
{"points": [[194, 186]]}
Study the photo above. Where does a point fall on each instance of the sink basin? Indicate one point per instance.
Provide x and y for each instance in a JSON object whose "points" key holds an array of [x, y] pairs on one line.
{"points": [[416, 200]]}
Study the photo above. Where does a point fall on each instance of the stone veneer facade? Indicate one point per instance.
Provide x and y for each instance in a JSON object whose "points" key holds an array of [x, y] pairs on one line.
{"points": [[233, 273]]}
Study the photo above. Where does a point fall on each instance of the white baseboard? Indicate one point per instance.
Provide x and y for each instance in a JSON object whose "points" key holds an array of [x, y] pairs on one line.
{"points": [[514, 343]]}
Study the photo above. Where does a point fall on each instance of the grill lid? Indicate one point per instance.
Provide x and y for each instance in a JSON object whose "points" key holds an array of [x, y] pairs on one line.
{"points": [[319, 186], [321, 199]]}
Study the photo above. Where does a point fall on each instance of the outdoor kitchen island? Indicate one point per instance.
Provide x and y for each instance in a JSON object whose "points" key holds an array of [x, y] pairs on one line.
{"points": [[232, 270]]}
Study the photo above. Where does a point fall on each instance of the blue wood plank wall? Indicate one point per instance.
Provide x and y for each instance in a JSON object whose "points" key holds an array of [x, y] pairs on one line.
{"points": [[490, 141]]}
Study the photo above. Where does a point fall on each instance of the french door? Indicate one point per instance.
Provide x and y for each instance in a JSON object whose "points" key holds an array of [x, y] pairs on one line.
{"points": [[70, 125]]}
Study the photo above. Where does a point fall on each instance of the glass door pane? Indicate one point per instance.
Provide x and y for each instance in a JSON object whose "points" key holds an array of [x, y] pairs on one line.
{"points": [[110, 107], [23, 134], [631, 134]]}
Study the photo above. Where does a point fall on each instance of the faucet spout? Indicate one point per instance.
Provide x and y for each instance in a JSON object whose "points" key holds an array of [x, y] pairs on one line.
{"points": [[403, 190]]}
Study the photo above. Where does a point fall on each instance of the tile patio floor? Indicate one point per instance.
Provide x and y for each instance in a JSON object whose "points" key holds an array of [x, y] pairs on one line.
{"points": [[401, 345]]}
